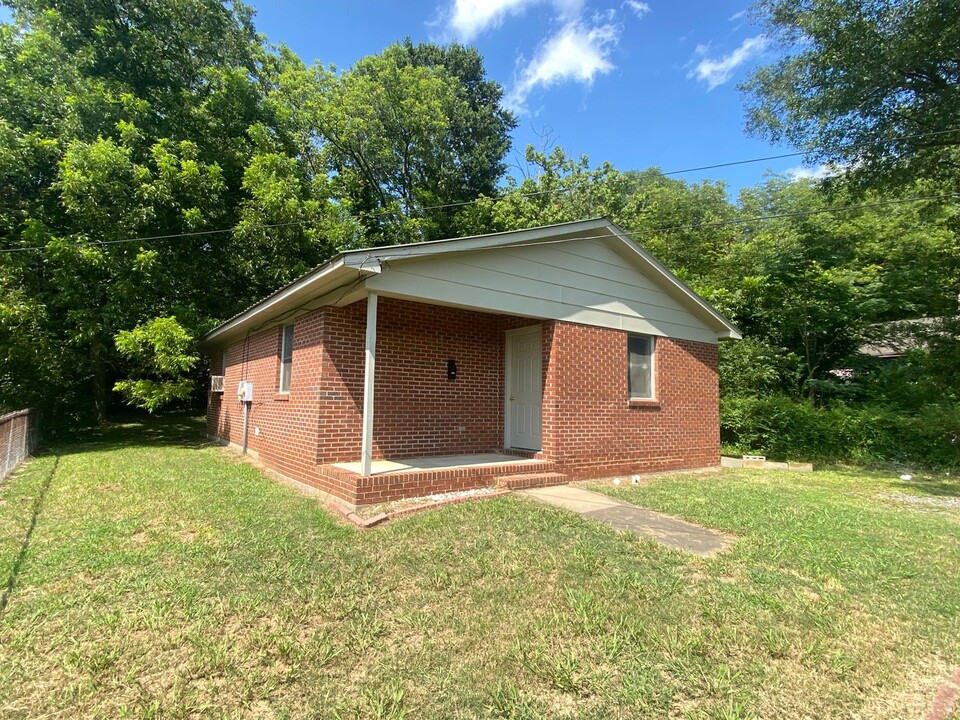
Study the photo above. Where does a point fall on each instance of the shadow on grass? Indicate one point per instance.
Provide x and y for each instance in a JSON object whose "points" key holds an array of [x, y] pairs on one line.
{"points": [[35, 511], [136, 431], [939, 487], [922, 483]]}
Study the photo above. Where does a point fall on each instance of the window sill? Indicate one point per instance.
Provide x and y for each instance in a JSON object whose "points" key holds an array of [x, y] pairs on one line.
{"points": [[643, 403], [281, 397]]}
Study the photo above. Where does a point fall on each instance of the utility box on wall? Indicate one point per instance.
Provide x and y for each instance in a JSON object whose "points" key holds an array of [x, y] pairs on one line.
{"points": [[245, 391]]}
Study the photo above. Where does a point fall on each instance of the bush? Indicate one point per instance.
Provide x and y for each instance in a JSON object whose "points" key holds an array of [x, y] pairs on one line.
{"points": [[786, 429]]}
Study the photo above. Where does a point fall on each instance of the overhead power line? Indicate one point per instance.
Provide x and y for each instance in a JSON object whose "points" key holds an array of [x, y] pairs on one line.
{"points": [[636, 232], [719, 223], [801, 153], [445, 206]]}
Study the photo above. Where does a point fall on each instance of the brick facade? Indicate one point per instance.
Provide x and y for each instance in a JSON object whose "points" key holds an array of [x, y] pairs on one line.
{"points": [[589, 426], [592, 429]]}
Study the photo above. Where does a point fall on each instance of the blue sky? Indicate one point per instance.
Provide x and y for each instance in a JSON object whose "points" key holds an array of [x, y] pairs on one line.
{"points": [[637, 83], [634, 83]]}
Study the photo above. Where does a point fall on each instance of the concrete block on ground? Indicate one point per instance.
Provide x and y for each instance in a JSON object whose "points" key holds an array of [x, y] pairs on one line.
{"points": [[754, 461], [776, 465], [730, 462], [800, 466]]}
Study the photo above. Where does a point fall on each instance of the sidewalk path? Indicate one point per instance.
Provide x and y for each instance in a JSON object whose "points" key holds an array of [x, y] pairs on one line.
{"points": [[620, 515]]}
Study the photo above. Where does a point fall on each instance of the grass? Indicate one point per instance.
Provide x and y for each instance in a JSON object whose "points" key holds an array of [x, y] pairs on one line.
{"points": [[162, 579]]}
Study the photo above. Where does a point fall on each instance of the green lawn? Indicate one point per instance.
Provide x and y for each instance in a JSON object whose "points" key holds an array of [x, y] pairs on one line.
{"points": [[164, 579]]}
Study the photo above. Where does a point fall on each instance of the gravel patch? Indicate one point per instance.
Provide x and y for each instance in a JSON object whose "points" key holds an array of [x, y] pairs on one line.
{"points": [[949, 502]]}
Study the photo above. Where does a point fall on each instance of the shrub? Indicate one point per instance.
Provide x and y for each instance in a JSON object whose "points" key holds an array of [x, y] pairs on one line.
{"points": [[786, 429]]}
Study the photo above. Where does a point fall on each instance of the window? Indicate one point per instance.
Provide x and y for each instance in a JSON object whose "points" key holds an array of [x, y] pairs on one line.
{"points": [[286, 358], [640, 352]]}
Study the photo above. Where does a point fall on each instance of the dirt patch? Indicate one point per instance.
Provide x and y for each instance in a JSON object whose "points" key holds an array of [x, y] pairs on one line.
{"points": [[948, 502]]}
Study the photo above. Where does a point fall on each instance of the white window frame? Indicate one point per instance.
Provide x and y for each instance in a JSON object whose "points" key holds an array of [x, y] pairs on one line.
{"points": [[653, 367], [286, 357]]}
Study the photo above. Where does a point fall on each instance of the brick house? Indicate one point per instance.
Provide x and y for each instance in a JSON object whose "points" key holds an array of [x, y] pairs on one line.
{"points": [[517, 358]]}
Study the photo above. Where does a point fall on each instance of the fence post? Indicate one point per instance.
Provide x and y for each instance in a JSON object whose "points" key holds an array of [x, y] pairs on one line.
{"points": [[6, 464]]}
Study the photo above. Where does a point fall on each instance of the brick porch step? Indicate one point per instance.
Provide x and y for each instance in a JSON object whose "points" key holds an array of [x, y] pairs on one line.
{"points": [[531, 480]]}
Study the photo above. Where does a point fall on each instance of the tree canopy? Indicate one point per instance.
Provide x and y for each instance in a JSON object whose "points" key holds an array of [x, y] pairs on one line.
{"points": [[161, 159], [162, 166], [873, 87], [400, 133]]}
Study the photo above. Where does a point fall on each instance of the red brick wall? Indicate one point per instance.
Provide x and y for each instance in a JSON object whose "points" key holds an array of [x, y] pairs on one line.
{"points": [[418, 411], [592, 430], [287, 423], [589, 426]]}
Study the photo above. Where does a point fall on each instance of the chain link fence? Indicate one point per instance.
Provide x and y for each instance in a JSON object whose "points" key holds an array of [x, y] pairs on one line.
{"points": [[19, 436]]}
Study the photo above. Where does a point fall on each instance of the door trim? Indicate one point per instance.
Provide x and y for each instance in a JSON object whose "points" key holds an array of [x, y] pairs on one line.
{"points": [[507, 356]]}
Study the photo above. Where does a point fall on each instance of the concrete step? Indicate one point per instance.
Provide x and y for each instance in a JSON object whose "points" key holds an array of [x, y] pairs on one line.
{"points": [[531, 480]]}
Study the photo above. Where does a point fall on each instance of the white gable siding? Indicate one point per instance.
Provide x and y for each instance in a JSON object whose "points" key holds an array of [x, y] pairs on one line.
{"points": [[583, 281]]}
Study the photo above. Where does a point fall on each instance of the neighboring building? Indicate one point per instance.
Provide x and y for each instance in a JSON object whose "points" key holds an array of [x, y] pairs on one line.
{"points": [[896, 337], [518, 358]]}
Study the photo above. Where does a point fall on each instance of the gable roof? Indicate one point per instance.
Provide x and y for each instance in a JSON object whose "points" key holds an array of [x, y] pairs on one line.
{"points": [[343, 278]]}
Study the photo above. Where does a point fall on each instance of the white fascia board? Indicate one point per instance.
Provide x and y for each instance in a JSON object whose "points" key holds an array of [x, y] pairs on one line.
{"points": [[726, 330], [368, 262]]}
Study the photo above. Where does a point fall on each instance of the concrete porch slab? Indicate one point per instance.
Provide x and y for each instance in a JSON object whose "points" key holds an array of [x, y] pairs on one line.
{"points": [[439, 462], [669, 531]]}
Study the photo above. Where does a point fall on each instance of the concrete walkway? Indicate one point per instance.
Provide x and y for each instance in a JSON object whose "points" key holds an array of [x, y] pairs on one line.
{"points": [[620, 515]]}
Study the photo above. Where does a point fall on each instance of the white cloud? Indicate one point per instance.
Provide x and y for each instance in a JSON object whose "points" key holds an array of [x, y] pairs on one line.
{"points": [[801, 172], [639, 8], [717, 71], [736, 16], [469, 18], [576, 53]]}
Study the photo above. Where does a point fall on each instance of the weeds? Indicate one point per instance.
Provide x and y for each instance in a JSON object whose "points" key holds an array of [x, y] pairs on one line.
{"points": [[164, 580]]}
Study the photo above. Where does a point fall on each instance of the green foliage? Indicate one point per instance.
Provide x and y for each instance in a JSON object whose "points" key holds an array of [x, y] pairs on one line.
{"points": [[815, 281], [414, 127], [751, 367], [160, 346], [152, 395], [159, 353], [859, 81], [235, 167], [784, 428]]}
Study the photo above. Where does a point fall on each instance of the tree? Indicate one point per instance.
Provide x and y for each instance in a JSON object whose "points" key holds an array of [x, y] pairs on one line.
{"points": [[412, 128], [811, 283], [159, 159], [870, 86], [132, 119], [160, 353]]}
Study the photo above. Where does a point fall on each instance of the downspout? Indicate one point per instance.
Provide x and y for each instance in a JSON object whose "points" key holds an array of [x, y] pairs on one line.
{"points": [[246, 423]]}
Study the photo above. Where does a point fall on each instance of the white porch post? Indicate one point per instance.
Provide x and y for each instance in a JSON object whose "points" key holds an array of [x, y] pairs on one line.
{"points": [[369, 365]]}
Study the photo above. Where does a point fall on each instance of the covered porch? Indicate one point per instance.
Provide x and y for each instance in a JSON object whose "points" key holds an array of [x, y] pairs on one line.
{"points": [[446, 389], [506, 461], [417, 477]]}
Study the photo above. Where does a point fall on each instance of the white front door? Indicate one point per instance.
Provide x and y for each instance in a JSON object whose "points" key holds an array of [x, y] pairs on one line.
{"points": [[524, 389]]}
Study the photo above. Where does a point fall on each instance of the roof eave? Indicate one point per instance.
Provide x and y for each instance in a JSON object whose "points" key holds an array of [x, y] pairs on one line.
{"points": [[290, 293]]}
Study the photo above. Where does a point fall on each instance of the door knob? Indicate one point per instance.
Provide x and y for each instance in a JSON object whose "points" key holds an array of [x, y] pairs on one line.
{"points": [[511, 398]]}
